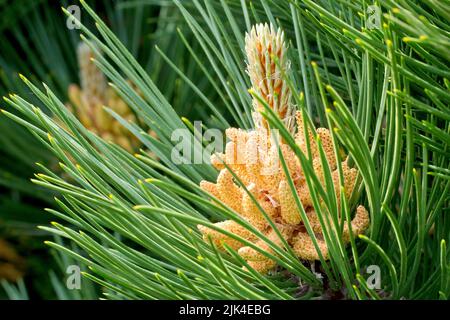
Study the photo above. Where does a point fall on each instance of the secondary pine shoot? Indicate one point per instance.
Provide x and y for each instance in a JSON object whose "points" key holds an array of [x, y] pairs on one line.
{"points": [[89, 100]]}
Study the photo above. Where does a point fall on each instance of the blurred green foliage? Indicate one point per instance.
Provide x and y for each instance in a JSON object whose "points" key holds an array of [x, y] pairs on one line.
{"points": [[39, 44]]}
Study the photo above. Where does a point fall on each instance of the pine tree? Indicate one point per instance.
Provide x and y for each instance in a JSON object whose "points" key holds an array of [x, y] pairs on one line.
{"points": [[381, 92]]}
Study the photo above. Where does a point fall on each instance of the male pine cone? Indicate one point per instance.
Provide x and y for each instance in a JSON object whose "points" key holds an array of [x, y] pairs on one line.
{"points": [[253, 157], [88, 99]]}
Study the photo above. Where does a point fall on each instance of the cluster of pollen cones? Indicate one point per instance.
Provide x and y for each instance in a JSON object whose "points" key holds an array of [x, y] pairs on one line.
{"points": [[253, 157], [87, 101], [12, 265]]}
